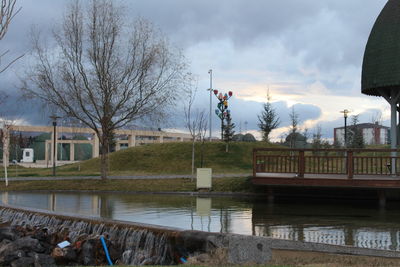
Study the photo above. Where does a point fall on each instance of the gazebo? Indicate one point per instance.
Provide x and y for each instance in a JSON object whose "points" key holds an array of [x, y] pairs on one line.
{"points": [[381, 64]]}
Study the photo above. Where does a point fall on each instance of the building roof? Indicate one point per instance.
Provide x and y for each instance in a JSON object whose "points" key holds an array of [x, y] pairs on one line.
{"points": [[365, 126], [381, 64]]}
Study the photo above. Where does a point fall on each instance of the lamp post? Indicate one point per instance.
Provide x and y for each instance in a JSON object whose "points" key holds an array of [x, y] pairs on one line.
{"points": [[211, 91], [54, 118], [345, 112], [222, 111]]}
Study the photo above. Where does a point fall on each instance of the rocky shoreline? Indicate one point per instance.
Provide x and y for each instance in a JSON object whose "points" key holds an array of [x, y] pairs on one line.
{"points": [[25, 246]]}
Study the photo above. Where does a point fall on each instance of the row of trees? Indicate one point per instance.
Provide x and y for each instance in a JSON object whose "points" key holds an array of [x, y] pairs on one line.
{"points": [[269, 120]]}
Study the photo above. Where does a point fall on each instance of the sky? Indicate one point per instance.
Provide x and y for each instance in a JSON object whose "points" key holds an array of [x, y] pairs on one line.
{"points": [[307, 53]]}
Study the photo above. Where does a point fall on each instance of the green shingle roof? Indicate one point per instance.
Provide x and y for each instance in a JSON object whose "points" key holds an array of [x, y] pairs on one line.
{"points": [[381, 65]]}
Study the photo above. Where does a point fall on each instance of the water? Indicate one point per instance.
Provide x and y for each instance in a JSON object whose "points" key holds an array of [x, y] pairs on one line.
{"points": [[359, 225]]}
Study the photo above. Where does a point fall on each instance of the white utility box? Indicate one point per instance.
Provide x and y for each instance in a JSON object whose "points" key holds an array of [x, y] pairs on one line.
{"points": [[204, 176], [27, 155]]}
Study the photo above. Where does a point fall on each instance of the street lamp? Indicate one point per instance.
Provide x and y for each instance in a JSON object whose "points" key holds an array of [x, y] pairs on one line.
{"points": [[345, 112], [211, 91], [54, 118]]}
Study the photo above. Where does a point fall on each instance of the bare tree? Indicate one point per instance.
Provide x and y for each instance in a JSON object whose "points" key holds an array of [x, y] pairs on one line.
{"points": [[7, 13], [377, 117], [195, 122], [5, 134], [293, 131], [106, 73]]}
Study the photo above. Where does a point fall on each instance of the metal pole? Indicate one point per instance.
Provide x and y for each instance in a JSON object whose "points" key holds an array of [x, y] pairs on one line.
{"points": [[345, 130], [393, 135], [222, 129], [211, 91], [54, 147]]}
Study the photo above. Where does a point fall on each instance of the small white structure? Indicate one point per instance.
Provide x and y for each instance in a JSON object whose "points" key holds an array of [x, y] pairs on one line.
{"points": [[204, 176], [27, 155]]}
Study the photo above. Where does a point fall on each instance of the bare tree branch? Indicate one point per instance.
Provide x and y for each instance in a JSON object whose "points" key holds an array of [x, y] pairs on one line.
{"points": [[7, 13]]}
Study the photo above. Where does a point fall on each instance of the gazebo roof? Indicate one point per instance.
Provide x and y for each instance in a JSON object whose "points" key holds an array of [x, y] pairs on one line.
{"points": [[381, 64]]}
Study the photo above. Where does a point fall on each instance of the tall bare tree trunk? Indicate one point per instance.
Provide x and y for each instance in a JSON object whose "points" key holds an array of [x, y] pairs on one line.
{"points": [[193, 159], [104, 156], [6, 142]]}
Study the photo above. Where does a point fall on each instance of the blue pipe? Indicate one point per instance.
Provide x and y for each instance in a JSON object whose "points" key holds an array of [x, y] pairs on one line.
{"points": [[103, 242]]}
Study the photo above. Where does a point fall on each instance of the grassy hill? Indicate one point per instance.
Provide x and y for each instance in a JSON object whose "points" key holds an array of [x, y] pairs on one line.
{"points": [[174, 158]]}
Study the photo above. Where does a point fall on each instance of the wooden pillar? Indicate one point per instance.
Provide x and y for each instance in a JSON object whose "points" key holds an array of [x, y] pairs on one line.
{"points": [[301, 167], [95, 146], [393, 99], [350, 165], [393, 134], [72, 152]]}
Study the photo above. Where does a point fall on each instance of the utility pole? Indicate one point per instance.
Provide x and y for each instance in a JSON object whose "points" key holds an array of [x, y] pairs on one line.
{"points": [[211, 91], [54, 118]]}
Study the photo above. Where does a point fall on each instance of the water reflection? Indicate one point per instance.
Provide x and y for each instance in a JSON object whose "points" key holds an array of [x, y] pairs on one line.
{"points": [[360, 226]]}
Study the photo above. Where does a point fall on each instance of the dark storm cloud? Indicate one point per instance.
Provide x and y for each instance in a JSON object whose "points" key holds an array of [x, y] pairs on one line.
{"points": [[327, 36], [324, 31]]}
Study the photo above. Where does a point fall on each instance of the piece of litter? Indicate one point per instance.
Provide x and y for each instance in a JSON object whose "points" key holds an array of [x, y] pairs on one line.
{"points": [[63, 244]]}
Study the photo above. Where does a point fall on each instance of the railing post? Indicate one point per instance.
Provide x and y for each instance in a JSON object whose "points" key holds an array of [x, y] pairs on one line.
{"points": [[350, 165], [254, 163], [301, 164]]}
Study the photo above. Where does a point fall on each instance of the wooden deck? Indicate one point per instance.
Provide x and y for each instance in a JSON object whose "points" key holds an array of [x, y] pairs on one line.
{"points": [[335, 168]]}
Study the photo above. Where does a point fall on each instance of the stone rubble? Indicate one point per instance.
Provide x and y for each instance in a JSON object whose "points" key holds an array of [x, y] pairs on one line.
{"points": [[25, 246]]}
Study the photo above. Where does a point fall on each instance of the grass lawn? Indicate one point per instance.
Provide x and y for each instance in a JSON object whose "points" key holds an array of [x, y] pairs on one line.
{"points": [[167, 158], [143, 185]]}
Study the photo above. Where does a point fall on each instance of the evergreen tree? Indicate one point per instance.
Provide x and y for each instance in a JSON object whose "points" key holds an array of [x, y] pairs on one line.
{"points": [[229, 127], [229, 131], [355, 138], [268, 120]]}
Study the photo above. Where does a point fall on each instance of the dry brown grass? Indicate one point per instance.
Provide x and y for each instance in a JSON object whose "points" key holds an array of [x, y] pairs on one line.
{"points": [[319, 259]]}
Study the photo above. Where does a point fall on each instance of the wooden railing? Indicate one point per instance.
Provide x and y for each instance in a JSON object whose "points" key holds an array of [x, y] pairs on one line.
{"points": [[348, 162]]}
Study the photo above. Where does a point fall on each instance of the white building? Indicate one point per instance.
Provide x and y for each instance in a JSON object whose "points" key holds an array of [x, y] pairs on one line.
{"points": [[373, 133]]}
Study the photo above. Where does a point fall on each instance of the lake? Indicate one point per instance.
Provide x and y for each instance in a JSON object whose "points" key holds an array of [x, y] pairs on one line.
{"points": [[355, 224]]}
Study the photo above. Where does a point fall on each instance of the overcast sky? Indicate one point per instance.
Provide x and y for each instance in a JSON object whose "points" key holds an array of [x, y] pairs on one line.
{"points": [[308, 53]]}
